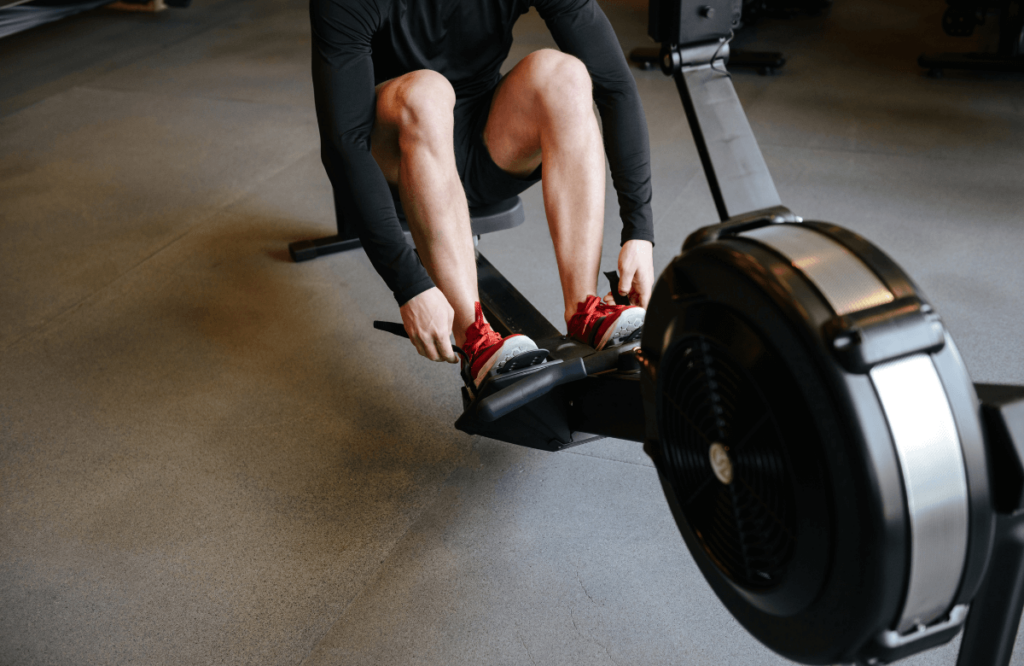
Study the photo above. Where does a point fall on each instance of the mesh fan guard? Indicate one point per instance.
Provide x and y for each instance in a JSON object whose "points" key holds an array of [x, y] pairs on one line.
{"points": [[747, 527]]}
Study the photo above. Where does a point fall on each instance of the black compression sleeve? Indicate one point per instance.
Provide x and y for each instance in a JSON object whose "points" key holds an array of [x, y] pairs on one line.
{"points": [[343, 89], [581, 29]]}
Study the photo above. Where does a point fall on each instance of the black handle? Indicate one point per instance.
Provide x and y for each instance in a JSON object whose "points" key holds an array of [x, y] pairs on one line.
{"points": [[529, 388], [391, 327], [399, 330]]}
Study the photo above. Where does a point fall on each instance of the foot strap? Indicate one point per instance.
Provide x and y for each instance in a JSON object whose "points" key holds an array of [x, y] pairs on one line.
{"points": [[613, 282], [399, 330], [517, 362]]}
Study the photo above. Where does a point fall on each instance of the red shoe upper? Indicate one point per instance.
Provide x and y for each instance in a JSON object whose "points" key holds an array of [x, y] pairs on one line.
{"points": [[592, 319], [481, 342]]}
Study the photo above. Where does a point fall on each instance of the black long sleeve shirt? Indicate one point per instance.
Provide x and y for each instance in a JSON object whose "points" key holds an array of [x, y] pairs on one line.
{"points": [[359, 43]]}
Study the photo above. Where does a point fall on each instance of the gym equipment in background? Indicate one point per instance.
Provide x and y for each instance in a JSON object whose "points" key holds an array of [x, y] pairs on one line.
{"points": [[960, 20], [763, 62], [19, 15], [846, 491], [755, 11]]}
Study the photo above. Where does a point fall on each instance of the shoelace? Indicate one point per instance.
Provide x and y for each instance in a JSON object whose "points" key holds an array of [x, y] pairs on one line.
{"points": [[593, 309], [479, 336]]}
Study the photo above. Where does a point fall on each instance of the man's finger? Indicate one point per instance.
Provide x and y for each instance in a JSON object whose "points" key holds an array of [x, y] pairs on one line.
{"points": [[626, 279], [428, 349], [445, 351], [643, 295], [648, 286]]}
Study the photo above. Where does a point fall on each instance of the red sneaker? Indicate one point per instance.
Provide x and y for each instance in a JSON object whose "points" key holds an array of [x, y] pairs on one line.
{"points": [[600, 325], [486, 349]]}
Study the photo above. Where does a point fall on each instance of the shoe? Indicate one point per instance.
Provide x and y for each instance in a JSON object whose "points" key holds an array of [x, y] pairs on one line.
{"points": [[600, 325], [486, 350]]}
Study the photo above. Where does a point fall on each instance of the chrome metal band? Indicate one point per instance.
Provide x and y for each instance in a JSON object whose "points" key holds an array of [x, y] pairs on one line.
{"points": [[920, 420], [843, 279], [934, 480]]}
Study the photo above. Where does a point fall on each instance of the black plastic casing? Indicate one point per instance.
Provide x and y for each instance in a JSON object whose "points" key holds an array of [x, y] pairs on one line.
{"points": [[865, 557], [692, 21]]}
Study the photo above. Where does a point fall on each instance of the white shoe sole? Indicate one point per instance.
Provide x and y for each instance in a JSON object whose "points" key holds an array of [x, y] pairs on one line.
{"points": [[510, 349], [627, 323]]}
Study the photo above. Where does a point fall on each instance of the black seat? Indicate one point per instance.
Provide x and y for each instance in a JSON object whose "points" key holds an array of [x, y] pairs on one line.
{"points": [[485, 219]]}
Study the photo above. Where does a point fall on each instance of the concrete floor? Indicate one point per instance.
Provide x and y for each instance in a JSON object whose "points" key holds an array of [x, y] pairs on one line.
{"points": [[207, 455]]}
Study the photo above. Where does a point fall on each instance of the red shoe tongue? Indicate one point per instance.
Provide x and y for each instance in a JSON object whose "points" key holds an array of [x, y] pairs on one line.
{"points": [[480, 336], [590, 304], [586, 314], [587, 309]]}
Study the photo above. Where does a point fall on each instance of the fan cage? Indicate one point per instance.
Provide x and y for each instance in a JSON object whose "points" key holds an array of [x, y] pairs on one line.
{"points": [[747, 526]]}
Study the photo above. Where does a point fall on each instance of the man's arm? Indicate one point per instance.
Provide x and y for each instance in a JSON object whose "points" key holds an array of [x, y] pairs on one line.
{"points": [[581, 29], [343, 88]]}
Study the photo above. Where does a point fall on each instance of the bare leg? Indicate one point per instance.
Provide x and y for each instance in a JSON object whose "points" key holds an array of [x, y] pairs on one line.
{"points": [[412, 142], [544, 108]]}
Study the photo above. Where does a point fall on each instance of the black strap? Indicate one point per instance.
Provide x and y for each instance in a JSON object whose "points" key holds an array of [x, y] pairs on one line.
{"points": [[391, 327], [399, 330], [613, 280]]}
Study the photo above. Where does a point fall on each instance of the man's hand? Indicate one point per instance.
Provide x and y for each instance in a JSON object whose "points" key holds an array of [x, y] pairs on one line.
{"points": [[428, 321], [636, 272]]}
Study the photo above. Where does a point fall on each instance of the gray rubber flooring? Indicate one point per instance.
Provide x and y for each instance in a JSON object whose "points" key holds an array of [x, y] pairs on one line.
{"points": [[207, 455]]}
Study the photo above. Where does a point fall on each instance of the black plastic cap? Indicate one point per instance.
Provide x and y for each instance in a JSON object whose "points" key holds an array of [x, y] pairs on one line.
{"points": [[302, 250]]}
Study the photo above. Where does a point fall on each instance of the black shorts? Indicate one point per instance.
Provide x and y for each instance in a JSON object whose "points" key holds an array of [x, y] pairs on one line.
{"points": [[484, 181]]}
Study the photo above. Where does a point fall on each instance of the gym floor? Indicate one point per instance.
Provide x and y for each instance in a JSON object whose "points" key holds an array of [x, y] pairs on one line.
{"points": [[208, 455]]}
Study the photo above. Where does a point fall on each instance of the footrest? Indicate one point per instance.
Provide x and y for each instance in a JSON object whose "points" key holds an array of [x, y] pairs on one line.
{"points": [[501, 402], [523, 360]]}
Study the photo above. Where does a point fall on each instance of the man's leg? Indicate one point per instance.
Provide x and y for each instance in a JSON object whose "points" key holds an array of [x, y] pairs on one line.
{"points": [[412, 141], [543, 108]]}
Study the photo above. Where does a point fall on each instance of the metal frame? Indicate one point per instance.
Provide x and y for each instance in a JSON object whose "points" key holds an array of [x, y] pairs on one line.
{"points": [[764, 62], [735, 168]]}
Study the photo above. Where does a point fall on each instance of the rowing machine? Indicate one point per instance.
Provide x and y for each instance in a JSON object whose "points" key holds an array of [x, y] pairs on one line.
{"points": [[847, 492]]}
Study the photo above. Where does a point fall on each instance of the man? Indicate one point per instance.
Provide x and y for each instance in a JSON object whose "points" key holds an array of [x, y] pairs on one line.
{"points": [[410, 101]]}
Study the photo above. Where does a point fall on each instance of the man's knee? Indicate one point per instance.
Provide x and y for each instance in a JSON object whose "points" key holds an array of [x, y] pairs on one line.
{"points": [[421, 104], [559, 78]]}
